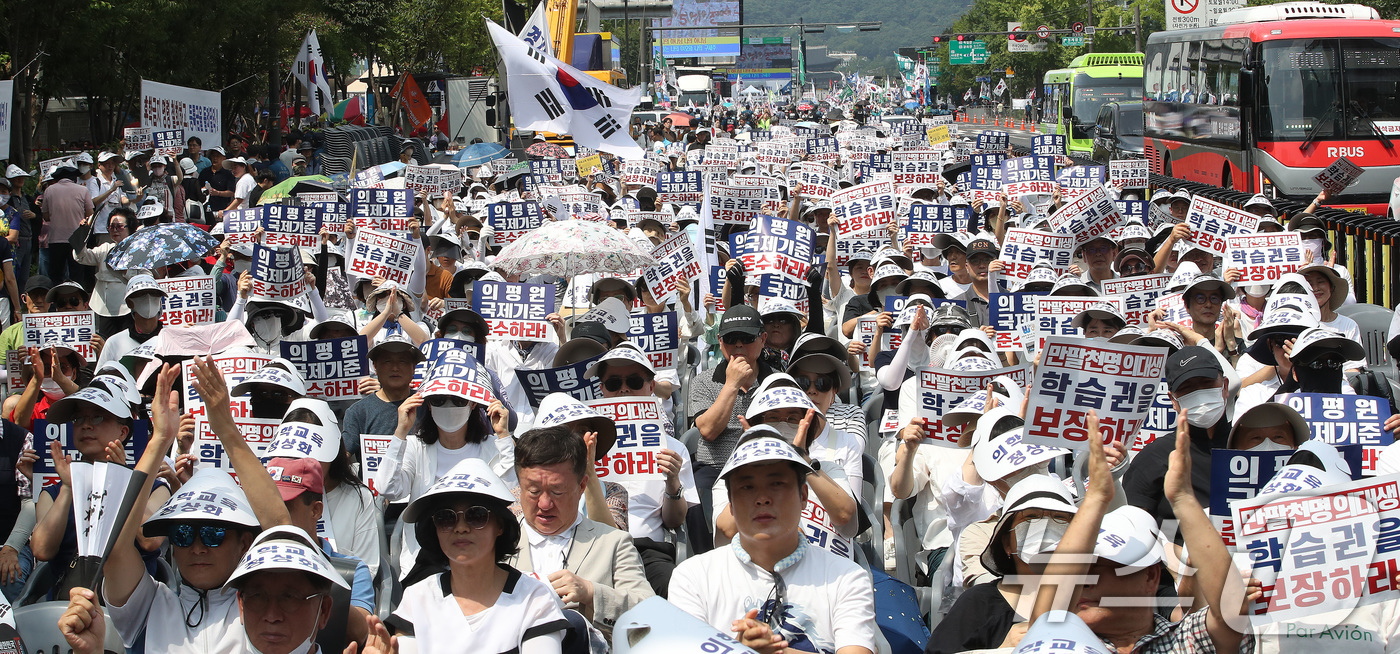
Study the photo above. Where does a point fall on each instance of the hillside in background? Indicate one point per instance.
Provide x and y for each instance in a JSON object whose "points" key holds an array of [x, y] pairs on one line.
{"points": [[906, 24]]}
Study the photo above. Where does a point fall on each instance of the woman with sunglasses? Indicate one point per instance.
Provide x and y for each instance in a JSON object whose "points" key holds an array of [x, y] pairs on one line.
{"points": [[460, 595], [109, 292], [453, 417]]}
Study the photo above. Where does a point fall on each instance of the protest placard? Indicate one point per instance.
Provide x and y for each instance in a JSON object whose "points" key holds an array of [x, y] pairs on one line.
{"points": [[1022, 176], [993, 140], [374, 254], [1160, 422], [1006, 312], [1076, 375], [865, 333], [515, 311], [168, 142], [1321, 548], [428, 180], [780, 287], [1128, 173], [1337, 177], [775, 246], [1173, 307], [257, 432], [984, 183], [569, 380], [680, 188], [15, 360], [70, 329], [434, 348], [863, 211], [331, 367], [937, 135], [1263, 258], [941, 390], [1024, 248], [584, 165], [372, 177], [818, 180], [289, 225], [137, 139], [334, 215], [1091, 215], [373, 448], [773, 153], [821, 530], [1048, 144], [241, 224], [1139, 295], [1346, 420], [988, 159], [1237, 475], [641, 435], [929, 220], [916, 167], [1212, 221], [278, 274], [674, 258], [641, 172], [380, 209], [823, 149], [512, 220], [736, 205], [44, 474], [552, 171], [1134, 212], [187, 301], [1054, 315], [658, 335]]}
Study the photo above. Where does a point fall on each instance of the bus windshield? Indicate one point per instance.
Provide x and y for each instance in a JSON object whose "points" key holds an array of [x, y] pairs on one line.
{"points": [[1090, 93], [1329, 89]]}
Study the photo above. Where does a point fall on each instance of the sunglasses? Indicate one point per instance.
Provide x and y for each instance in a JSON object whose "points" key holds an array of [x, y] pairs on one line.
{"points": [[443, 400], [1325, 364], [1207, 298], [476, 518], [69, 301], [94, 420], [939, 330], [823, 384], [634, 382], [738, 339], [776, 605], [112, 226], [183, 535]]}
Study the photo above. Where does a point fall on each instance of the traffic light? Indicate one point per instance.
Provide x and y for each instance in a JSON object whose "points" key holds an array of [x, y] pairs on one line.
{"points": [[937, 40], [960, 37]]}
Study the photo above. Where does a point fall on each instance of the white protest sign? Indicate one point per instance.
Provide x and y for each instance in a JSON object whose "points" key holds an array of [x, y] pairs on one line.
{"points": [[1173, 307], [1024, 248], [187, 301], [674, 258], [1076, 375], [426, 180], [198, 112], [1337, 177], [916, 167], [375, 254], [1092, 215], [1212, 221], [70, 329], [863, 211], [373, 449], [736, 205], [1054, 315], [941, 390], [1139, 295], [1128, 173], [138, 139], [641, 435], [1263, 258], [818, 181], [640, 172]]}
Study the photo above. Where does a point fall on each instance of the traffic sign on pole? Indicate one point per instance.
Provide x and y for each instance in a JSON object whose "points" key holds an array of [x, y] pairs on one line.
{"points": [[1043, 31], [962, 53], [1077, 27]]}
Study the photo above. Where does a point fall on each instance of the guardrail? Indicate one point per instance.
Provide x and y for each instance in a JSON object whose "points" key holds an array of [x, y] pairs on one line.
{"points": [[1366, 244]]}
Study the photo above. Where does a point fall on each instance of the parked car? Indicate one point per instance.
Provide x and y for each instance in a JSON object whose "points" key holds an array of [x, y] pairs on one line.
{"points": [[1118, 132]]}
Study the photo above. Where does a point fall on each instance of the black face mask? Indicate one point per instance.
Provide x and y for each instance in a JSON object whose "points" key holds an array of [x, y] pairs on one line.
{"points": [[266, 409], [1319, 380]]}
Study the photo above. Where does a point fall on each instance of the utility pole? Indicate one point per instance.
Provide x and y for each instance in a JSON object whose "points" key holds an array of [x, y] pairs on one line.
{"points": [[1090, 21], [1137, 27]]}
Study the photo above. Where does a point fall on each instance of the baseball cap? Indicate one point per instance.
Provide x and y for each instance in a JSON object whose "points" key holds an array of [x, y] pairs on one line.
{"points": [[107, 155], [237, 160], [141, 283], [1070, 285], [296, 476], [741, 319], [592, 330], [1190, 363], [981, 245], [1259, 200], [83, 158], [37, 283]]}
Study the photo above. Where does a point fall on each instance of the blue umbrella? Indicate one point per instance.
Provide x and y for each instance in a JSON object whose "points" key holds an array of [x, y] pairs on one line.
{"points": [[161, 245], [477, 154]]}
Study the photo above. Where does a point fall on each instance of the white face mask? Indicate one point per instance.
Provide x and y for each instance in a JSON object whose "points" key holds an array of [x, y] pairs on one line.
{"points": [[451, 418], [241, 266], [52, 390], [1256, 290], [267, 328], [1314, 245], [84, 168], [1269, 445], [786, 429], [1038, 537], [146, 306], [882, 294], [1203, 408], [460, 336], [4, 198]]}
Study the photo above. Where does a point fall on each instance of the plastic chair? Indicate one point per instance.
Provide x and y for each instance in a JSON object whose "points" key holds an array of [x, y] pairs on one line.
{"points": [[1353, 310], [41, 580], [37, 624], [1375, 328], [872, 540], [386, 578]]}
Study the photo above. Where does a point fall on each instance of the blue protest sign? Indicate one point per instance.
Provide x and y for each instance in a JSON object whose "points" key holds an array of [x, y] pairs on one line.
{"points": [[1237, 475], [169, 142], [278, 274], [568, 379], [823, 148], [929, 220], [990, 159], [46, 432], [512, 220], [240, 224], [993, 140], [682, 187], [434, 348], [1033, 175], [333, 215], [1006, 312], [1049, 144], [775, 286], [775, 246], [1345, 420], [880, 162], [551, 171], [1133, 210], [293, 226], [381, 209], [515, 311], [332, 367], [658, 334]]}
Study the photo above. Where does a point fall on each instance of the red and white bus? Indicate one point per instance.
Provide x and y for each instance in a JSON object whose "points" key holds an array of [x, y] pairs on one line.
{"points": [[1272, 95]]}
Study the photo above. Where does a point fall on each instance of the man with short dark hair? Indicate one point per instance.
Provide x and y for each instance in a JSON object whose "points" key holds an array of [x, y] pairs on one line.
{"points": [[594, 569], [66, 205]]}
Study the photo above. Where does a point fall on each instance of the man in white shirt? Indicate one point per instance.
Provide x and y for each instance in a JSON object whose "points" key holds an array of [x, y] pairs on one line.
{"points": [[593, 568], [769, 586]]}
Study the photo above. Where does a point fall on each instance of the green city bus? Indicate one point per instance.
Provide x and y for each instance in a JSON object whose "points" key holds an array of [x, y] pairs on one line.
{"points": [[1071, 97]]}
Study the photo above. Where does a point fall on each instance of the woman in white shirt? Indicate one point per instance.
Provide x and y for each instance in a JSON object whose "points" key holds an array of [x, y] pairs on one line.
{"points": [[461, 421], [460, 596]]}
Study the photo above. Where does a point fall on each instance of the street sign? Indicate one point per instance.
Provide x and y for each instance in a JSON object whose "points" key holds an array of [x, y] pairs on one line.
{"points": [[1043, 32], [1071, 41], [1077, 27], [1009, 72], [1088, 30], [964, 53]]}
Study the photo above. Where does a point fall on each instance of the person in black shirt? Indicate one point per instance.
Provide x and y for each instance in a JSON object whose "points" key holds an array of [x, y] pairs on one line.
{"points": [[217, 181]]}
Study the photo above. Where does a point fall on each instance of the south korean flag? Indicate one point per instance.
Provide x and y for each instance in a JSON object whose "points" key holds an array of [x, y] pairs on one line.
{"points": [[549, 95]]}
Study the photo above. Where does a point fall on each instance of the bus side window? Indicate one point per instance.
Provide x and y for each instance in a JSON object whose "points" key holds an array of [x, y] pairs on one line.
{"points": [[1171, 79], [1152, 82], [1234, 60], [1190, 73]]}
